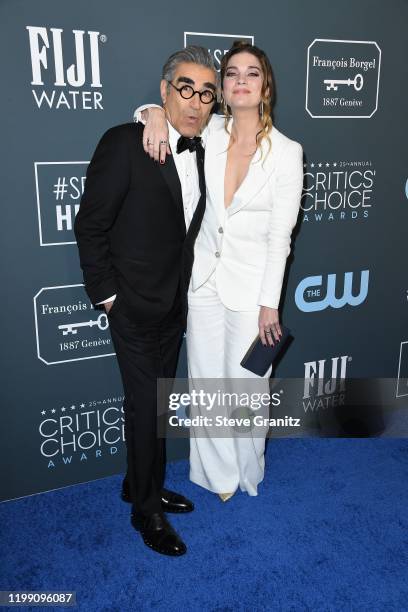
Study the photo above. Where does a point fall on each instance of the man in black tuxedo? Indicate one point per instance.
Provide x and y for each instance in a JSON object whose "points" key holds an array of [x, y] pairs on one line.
{"points": [[136, 229]]}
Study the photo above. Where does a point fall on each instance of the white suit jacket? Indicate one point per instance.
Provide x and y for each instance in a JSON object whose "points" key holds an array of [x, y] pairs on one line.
{"points": [[248, 243]]}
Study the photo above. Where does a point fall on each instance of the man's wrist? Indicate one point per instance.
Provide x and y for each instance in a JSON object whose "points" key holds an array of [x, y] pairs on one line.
{"points": [[138, 114]]}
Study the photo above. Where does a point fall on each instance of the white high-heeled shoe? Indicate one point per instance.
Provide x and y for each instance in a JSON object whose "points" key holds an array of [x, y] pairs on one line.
{"points": [[225, 496]]}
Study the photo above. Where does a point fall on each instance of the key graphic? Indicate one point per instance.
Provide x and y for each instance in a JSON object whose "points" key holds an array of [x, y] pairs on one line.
{"points": [[357, 83], [71, 328]]}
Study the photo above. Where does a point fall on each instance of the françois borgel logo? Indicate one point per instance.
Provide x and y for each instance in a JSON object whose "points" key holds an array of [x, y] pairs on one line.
{"points": [[65, 68], [67, 326], [59, 187], [313, 294], [338, 190], [217, 44], [343, 78]]}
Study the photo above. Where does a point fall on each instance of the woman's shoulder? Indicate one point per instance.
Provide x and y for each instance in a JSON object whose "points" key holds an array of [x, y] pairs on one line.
{"points": [[283, 142], [288, 153], [215, 129], [215, 123]]}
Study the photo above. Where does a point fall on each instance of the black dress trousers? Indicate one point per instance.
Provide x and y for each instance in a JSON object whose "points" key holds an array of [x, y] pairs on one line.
{"points": [[145, 352]]}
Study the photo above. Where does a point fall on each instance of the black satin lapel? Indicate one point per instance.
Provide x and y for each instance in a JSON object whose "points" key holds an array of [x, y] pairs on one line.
{"points": [[170, 175], [201, 205]]}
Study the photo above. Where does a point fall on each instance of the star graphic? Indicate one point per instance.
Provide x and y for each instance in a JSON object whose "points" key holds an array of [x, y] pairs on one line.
{"points": [[82, 405], [335, 164], [53, 410], [63, 409], [327, 165], [320, 165], [42, 411], [312, 165], [72, 407]]}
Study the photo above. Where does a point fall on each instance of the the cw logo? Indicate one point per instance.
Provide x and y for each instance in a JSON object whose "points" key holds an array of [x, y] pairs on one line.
{"points": [[311, 287]]}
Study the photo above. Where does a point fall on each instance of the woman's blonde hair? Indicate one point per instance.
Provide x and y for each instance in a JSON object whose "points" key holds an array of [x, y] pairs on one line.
{"points": [[267, 91]]}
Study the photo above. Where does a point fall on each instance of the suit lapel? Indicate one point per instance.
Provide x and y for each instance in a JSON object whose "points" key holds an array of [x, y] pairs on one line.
{"points": [[215, 162], [259, 171], [170, 175], [201, 204]]}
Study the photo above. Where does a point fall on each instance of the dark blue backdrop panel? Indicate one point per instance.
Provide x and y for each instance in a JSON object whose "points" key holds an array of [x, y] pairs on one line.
{"points": [[72, 70]]}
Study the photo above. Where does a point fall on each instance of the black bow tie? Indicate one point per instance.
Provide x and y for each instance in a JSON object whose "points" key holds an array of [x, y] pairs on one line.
{"points": [[184, 143]]}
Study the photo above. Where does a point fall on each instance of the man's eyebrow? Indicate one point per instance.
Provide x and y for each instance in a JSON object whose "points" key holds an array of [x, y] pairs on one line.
{"points": [[183, 79]]}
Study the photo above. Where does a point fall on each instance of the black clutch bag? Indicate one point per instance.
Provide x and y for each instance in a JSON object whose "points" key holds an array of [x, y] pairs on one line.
{"points": [[259, 357]]}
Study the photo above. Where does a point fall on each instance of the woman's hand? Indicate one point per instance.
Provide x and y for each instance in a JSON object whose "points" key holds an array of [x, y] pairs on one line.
{"points": [[269, 325], [156, 134]]}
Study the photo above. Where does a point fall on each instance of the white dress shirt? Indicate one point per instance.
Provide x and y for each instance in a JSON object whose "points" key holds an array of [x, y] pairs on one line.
{"points": [[186, 167]]}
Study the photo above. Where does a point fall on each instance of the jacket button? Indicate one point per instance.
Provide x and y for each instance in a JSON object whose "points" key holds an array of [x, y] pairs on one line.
{"points": [[217, 254], [220, 230]]}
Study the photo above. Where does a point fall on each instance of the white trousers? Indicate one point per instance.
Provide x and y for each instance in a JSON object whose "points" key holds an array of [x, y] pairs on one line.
{"points": [[217, 340]]}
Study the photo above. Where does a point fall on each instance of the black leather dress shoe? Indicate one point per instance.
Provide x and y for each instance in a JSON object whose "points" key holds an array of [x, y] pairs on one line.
{"points": [[158, 534], [174, 502], [171, 502]]}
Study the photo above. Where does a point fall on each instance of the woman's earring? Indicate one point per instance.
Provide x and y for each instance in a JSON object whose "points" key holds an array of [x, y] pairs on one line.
{"points": [[261, 109]]}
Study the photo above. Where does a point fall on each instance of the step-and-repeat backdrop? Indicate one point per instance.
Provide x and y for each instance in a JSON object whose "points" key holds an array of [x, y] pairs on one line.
{"points": [[72, 70]]}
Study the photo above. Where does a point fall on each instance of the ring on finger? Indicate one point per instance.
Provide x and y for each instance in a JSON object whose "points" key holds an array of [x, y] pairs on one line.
{"points": [[163, 142]]}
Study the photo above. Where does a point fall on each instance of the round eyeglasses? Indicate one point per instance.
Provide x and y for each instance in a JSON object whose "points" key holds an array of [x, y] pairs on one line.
{"points": [[187, 92]]}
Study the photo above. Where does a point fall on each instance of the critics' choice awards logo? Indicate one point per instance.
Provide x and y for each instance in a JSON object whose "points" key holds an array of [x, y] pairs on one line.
{"points": [[65, 68], [217, 44], [342, 78], [76, 432], [325, 383], [337, 191], [59, 187], [314, 294], [402, 379], [67, 326]]}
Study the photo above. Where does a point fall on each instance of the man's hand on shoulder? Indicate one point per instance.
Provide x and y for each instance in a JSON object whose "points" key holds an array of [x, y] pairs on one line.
{"points": [[156, 134]]}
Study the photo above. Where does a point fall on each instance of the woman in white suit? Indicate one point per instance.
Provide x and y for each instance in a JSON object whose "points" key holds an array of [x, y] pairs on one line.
{"points": [[254, 177]]}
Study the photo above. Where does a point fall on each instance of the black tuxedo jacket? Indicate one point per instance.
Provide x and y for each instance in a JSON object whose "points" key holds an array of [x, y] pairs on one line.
{"points": [[130, 228]]}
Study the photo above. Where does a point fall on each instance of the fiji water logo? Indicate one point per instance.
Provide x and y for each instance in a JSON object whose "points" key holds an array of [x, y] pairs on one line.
{"points": [[324, 377], [68, 62]]}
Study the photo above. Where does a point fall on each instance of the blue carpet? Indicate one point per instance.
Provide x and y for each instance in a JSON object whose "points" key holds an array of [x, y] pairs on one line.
{"points": [[328, 531]]}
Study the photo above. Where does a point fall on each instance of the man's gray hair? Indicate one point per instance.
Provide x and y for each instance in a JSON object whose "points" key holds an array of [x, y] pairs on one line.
{"points": [[193, 54]]}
